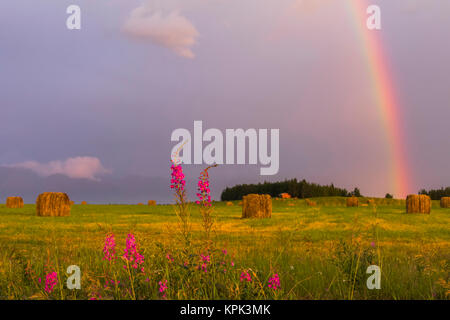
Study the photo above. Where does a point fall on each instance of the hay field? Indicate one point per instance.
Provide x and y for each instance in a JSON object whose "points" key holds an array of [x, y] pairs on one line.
{"points": [[318, 252]]}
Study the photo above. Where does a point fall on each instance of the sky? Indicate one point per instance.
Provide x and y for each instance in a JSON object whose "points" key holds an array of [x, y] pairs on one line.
{"points": [[99, 104]]}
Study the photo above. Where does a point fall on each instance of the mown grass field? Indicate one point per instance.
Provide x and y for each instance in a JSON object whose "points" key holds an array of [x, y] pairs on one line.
{"points": [[318, 252]]}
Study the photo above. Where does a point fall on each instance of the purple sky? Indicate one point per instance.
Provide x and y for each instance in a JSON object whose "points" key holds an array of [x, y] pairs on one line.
{"points": [[109, 95]]}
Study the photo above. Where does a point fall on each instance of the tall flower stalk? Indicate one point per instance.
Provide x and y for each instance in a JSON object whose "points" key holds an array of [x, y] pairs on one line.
{"points": [[204, 201], [178, 185], [134, 260]]}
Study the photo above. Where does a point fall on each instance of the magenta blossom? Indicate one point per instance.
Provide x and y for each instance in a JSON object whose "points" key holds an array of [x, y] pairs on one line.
{"points": [[205, 261], [204, 192], [132, 254], [169, 257], [51, 280], [177, 181], [205, 258], [163, 288], [274, 282], [109, 249], [245, 276]]}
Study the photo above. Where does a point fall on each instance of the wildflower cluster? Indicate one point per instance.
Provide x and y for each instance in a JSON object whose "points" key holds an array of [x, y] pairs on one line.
{"points": [[131, 253], [111, 283], [245, 276], [205, 261], [203, 194], [50, 281], [163, 288], [109, 249], [177, 177], [274, 282], [169, 257]]}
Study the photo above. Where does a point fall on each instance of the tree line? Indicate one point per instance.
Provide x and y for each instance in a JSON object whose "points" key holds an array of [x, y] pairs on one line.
{"points": [[436, 194], [298, 189]]}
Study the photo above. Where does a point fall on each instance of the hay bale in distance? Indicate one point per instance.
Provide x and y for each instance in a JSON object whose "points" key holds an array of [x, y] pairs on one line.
{"points": [[418, 203], [285, 195], [229, 203], [371, 202], [151, 202], [140, 204], [83, 202], [352, 202], [445, 202], [72, 202], [14, 202], [53, 204], [257, 206]]}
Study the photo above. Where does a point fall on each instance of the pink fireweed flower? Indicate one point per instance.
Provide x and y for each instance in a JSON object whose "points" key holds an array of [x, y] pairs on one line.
{"points": [[372, 244], [169, 257], [225, 252], [245, 276], [109, 249], [177, 181], [204, 192], [205, 261], [132, 254], [50, 281], [163, 287], [274, 282]]}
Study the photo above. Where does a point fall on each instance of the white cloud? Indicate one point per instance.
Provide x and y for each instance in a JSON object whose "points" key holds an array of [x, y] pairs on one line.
{"points": [[172, 31], [78, 167]]}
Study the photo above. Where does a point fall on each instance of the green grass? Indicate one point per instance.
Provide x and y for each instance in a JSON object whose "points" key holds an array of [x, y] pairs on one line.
{"points": [[319, 252]]}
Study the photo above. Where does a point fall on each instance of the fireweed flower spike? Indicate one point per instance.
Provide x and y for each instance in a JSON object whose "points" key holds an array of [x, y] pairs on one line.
{"points": [[163, 288], [177, 177], [205, 261], [178, 183], [274, 282], [50, 281], [204, 200], [109, 249], [204, 191], [132, 254]]}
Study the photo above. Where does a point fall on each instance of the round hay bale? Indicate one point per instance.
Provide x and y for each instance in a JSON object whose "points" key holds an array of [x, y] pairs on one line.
{"points": [[418, 204], [256, 206], [352, 202], [53, 204], [72, 202], [229, 203], [445, 202], [285, 195], [14, 202], [83, 202], [371, 202], [151, 202], [140, 204], [240, 203]]}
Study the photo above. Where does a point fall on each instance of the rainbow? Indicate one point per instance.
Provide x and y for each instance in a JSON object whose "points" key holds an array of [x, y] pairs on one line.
{"points": [[384, 93]]}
